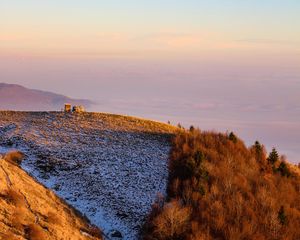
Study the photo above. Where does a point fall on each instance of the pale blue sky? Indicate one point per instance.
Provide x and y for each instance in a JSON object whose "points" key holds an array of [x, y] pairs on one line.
{"points": [[273, 20]]}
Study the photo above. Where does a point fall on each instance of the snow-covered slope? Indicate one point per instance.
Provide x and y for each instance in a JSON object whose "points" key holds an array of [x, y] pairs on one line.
{"points": [[109, 167]]}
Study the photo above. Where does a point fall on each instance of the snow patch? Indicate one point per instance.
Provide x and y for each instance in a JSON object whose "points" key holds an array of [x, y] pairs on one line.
{"points": [[111, 175]]}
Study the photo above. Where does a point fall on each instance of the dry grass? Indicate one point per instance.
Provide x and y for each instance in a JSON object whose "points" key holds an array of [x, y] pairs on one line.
{"points": [[232, 192], [30, 211], [35, 232], [15, 157], [13, 197], [88, 120]]}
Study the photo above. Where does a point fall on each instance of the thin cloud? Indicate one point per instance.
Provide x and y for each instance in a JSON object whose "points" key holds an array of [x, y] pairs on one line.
{"points": [[268, 41], [178, 40]]}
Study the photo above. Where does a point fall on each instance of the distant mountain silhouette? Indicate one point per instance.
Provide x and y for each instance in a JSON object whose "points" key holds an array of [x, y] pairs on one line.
{"points": [[16, 97]]}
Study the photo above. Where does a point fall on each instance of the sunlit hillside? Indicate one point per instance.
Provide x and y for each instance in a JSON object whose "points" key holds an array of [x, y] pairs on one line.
{"points": [[201, 185], [30, 211], [220, 189]]}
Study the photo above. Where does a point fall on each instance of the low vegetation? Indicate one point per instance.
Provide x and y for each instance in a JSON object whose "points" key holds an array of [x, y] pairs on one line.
{"points": [[30, 211], [14, 157], [220, 189]]}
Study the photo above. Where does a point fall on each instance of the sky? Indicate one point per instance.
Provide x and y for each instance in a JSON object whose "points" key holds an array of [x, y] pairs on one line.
{"points": [[222, 65]]}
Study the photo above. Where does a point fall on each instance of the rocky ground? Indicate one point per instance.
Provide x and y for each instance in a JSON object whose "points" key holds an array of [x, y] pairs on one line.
{"points": [[109, 167]]}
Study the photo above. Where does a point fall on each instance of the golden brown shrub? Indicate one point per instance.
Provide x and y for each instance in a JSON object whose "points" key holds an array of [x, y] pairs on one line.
{"points": [[15, 157], [230, 191], [35, 232], [172, 222], [14, 197]]}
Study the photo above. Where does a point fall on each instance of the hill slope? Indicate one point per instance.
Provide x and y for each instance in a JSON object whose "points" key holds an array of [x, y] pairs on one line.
{"points": [[220, 189], [109, 167], [16, 97], [30, 211]]}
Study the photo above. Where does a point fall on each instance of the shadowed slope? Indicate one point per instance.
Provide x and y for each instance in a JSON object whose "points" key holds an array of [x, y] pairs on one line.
{"points": [[110, 167]]}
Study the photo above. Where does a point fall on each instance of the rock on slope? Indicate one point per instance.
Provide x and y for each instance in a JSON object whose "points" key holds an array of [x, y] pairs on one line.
{"points": [[109, 167], [16, 97], [30, 211]]}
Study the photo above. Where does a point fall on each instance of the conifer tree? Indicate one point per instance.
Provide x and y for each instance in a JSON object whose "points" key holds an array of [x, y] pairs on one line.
{"points": [[232, 137], [283, 169], [258, 147], [273, 156]]}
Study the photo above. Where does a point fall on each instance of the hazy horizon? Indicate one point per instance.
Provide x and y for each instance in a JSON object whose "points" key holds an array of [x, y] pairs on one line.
{"points": [[231, 65]]}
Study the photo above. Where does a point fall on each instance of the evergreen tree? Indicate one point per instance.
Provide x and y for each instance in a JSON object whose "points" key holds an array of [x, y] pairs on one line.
{"points": [[232, 137], [283, 169], [258, 147], [273, 156]]}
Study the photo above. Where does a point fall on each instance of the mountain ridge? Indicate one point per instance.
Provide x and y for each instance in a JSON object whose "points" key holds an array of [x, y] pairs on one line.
{"points": [[19, 98]]}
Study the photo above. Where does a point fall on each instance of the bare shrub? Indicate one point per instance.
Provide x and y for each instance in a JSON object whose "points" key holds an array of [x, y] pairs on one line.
{"points": [[172, 222]]}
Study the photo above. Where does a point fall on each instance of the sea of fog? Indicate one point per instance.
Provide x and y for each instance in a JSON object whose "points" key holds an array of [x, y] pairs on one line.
{"points": [[256, 96], [258, 100], [268, 128]]}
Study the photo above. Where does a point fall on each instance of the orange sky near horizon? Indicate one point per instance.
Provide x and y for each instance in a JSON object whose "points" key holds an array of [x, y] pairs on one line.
{"points": [[160, 29]]}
